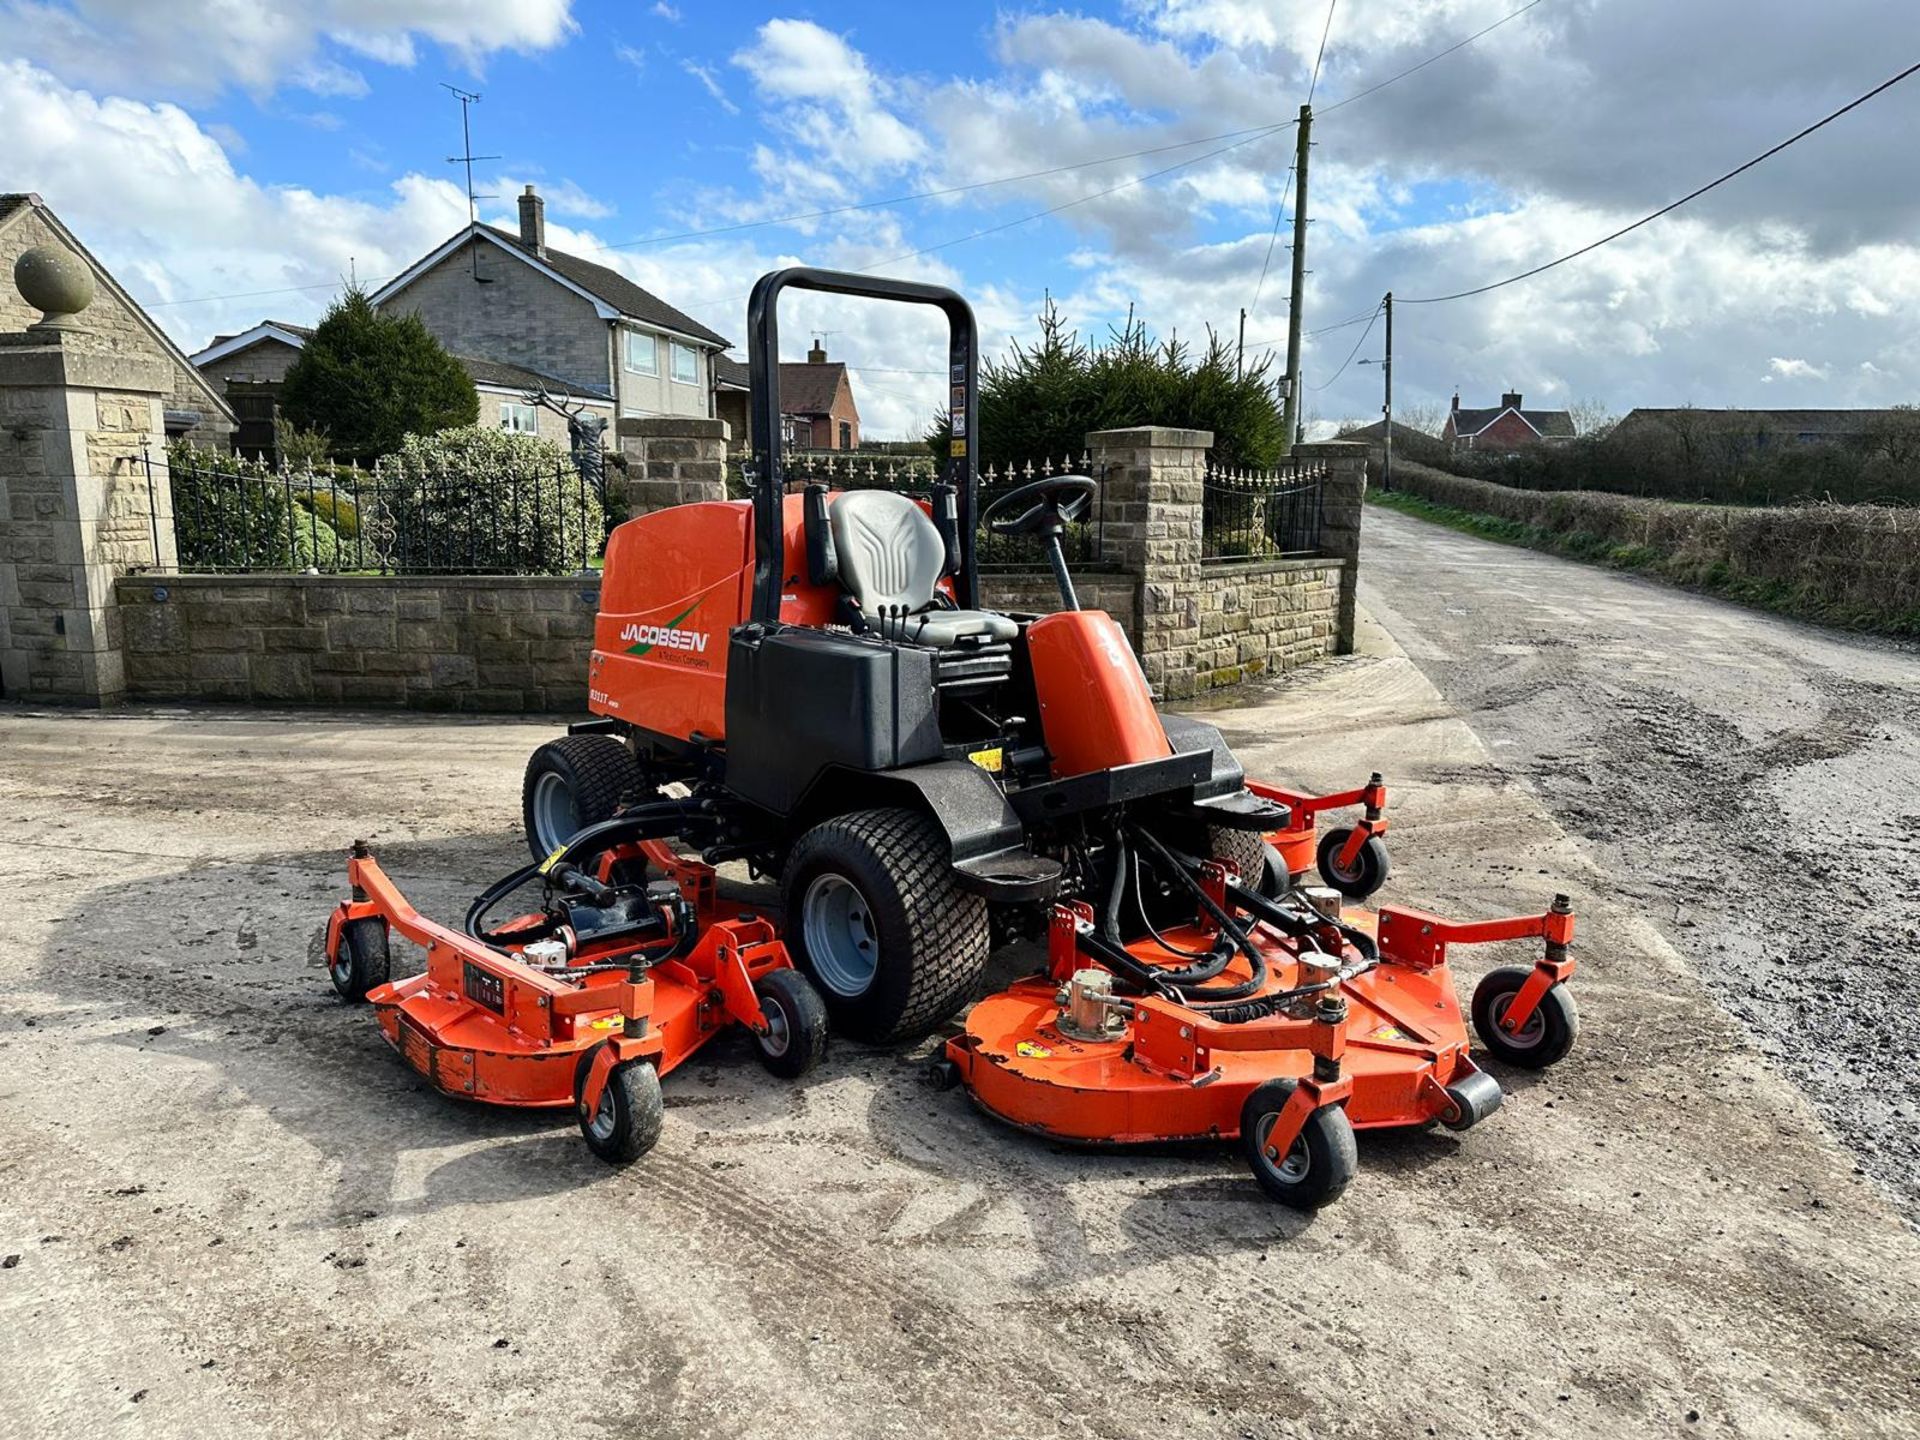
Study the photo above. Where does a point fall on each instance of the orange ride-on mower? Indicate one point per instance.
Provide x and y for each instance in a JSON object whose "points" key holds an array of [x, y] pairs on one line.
{"points": [[614, 982]]}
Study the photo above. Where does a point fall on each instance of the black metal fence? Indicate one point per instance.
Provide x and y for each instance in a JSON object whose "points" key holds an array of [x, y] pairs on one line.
{"points": [[1261, 514], [232, 515], [915, 476]]}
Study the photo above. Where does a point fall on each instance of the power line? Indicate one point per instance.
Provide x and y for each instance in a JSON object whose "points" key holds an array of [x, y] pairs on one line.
{"points": [[1325, 30], [1353, 352], [1458, 45], [1668, 209]]}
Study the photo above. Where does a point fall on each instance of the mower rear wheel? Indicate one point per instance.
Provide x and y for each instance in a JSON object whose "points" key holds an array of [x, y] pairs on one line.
{"points": [[363, 959], [1366, 874], [627, 1122], [796, 1038], [1471, 1099], [573, 783], [874, 918], [1259, 864], [1321, 1161], [1549, 1032]]}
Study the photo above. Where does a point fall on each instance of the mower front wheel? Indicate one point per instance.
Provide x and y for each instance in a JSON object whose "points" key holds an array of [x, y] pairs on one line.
{"points": [[1320, 1163], [571, 784], [627, 1122], [796, 1036], [1549, 1032], [874, 918], [362, 960], [1366, 874]]}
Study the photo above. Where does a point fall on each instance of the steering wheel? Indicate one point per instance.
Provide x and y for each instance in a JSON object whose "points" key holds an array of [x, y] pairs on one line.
{"points": [[1052, 504]]}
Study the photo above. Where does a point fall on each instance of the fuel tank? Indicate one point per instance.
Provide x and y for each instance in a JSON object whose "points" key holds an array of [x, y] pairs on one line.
{"points": [[1095, 708]]}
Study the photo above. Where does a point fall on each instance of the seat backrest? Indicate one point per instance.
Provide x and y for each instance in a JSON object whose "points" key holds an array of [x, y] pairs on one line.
{"points": [[890, 553]]}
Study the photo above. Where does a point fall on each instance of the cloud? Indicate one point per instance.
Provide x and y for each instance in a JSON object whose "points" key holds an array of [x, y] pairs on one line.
{"points": [[632, 56], [563, 197], [828, 98], [704, 74], [1779, 368], [666, 12], [150, 50]]}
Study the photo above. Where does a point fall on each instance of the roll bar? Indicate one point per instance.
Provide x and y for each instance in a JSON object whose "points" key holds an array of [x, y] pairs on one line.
{"points": [[763, 364]]}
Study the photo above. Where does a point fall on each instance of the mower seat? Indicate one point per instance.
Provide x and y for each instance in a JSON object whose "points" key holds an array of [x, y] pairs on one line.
{"points": [[890, 558]]}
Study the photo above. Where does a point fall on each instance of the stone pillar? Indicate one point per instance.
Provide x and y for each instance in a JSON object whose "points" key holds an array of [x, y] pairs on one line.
{"points": [[79, 506], [1152, 478], [1341, 504], [672, 460]]}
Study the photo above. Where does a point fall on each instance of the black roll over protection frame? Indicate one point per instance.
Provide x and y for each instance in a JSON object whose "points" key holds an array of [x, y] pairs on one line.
{"points": [[963, 406]]}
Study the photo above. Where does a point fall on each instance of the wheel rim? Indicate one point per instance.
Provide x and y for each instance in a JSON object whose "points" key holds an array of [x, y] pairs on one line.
{"points": [[555, 815], [1291, 1168], [1529, 1034], [342, 967], [837, 924], [601, 1126], [1348, 873], [775, 1041]]}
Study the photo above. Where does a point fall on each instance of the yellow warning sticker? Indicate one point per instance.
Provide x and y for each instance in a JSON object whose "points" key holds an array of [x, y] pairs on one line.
{"points": [[1391, 1032], [988, 759], [957, 448], [553, 859], [1032, 1051]]}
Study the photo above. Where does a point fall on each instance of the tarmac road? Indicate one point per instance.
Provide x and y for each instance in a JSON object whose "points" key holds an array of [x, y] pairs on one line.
{"points": [[237, 1213], [1751, 784]]}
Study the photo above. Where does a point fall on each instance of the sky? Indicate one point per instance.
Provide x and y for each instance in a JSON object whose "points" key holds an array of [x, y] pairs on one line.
{"points": [[233, 160]]}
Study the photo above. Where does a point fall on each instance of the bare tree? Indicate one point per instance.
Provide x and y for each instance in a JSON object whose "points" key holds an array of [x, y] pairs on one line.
{"points": [[1426, 417], [1592, 417]]}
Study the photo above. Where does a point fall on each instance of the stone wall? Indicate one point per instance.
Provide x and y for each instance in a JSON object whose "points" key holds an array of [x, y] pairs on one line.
{"points": [[1038, 594], [670, 460], [468, 642], [1258, 616]]}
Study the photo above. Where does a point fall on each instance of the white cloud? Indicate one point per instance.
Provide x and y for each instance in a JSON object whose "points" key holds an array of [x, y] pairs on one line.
{"points": [[147, 49], [704, 74], [632, 56], [666, 11], [1781, 368], [828, 98], [563, 197]]}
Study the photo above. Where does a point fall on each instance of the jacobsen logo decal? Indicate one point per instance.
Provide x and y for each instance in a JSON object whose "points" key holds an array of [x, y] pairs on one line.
{"points": [[666, 637]]}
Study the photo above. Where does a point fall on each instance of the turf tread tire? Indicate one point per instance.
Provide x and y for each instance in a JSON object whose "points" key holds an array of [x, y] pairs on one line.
{"points": [[369, 959], [602, 773], [944, 927]]}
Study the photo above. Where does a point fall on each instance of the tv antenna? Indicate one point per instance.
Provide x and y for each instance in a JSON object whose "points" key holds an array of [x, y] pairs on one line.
{"points": [[468, 99]]}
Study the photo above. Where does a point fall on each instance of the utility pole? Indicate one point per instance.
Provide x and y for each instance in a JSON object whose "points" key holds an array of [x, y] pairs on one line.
{"points": [[1297, 302], [1386, 370], [1240, 349]]}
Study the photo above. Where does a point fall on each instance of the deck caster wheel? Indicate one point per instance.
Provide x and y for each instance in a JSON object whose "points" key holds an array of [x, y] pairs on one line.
{"points": [[1546, 1037], [571, 784], [362, 960], [628, 1120], [1320, 1163], [796, 1038], [943, 1074], [1366, 874], [1471, 1099]]}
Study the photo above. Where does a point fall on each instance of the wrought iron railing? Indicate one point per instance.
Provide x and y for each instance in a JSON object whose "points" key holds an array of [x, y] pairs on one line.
{"points": [[1261, 514], [917, 475], [232, 515]]}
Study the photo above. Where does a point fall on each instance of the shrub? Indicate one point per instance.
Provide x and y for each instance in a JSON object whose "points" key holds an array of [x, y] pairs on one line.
{"points": [[482, 500], [233, 514]]}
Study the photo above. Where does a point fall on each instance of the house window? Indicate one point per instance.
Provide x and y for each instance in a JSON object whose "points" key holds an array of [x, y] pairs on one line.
{"points": [[518, 418], [686, 364], [643, 353], [846, 435]]}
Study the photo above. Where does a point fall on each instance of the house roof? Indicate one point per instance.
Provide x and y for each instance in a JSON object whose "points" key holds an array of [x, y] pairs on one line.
{"points": [[1549, 424], [1378, 431], [497, 374], [1825, 422], [731, 374], [807, 388], [14, 204]]}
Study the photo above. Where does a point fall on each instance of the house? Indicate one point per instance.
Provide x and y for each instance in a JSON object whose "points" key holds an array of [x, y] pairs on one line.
{"points": [[1762, 428], [1506, 427], [817, 409], [1408, 443], [194, 407], [511, 299], [248, 367]]}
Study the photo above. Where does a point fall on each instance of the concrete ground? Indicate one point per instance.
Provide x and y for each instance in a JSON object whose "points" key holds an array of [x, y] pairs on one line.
{"points": [[236, 1212]]}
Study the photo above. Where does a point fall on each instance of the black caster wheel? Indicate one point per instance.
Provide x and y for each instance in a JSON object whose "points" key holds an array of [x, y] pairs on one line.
{"points": [[362, 960], [1366, 874], [1546, 1037], [943, 1074], [1321, 1161], [1472, 1099], [796, 1038], [627, 1122]]}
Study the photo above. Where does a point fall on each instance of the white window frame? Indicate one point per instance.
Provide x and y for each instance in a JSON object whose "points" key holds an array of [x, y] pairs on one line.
{"points": [[512, 411], [693, 364], [652, 367]]}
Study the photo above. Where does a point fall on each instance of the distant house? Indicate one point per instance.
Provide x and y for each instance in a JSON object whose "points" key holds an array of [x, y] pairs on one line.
{"points": [[817, 409], [247, 368], [1506, 427], [194, 408], [1762, 428], [511, 299], [1408, 443]]}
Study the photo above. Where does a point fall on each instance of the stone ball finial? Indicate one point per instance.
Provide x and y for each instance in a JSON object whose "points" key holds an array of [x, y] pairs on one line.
{"points": [[56, 281]]}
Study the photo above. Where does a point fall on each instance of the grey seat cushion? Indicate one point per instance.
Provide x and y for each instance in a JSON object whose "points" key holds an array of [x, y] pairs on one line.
{"points": [[891, 558]]}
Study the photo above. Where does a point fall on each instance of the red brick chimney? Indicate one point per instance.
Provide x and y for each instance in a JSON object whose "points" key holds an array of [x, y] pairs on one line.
{"points": [[533, 223], [1510, 400]]}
